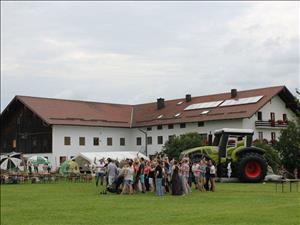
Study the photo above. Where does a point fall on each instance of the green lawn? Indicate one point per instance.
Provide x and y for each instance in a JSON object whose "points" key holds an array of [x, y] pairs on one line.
{"points": [[80, 203]]}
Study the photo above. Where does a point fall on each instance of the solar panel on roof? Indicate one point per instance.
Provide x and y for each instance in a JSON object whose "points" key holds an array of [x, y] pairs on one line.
{"points": [[204, 105], [241, 101]]}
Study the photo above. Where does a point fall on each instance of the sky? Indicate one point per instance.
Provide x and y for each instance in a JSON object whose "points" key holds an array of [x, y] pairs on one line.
{"points": [[136, 52]]}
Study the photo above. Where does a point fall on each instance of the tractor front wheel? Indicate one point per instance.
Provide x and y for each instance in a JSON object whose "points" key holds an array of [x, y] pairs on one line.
{"points": [[252, 167]]}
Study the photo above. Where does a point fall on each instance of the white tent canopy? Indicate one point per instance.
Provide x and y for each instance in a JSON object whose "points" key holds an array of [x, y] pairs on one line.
{"points": [[89, 157]]}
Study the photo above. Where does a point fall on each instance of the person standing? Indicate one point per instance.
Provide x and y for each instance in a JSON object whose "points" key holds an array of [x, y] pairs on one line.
{"points": [[185, 170], [29, 165], [141, 174], [176, 181], [202, 174], [196, 173], [100, 171], [146, 173], [152, 176], [167, 175], [229, 170], [207, 176], [36, 168], [49, 167], [111, 172], [212, 176], [128, 178], [158, 178]]}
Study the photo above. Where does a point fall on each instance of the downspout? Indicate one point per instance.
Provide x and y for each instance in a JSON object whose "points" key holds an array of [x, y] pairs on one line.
{"points": [[131, 117]]}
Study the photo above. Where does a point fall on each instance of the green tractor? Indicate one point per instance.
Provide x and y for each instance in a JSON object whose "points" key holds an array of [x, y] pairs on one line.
{"points": [[233, 145]]}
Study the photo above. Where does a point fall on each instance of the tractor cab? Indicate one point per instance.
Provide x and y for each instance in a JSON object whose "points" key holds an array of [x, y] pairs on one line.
{"points": [[227, 138]]}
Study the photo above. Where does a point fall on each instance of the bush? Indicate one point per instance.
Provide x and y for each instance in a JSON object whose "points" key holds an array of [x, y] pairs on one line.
{"points": [[271, 155]]}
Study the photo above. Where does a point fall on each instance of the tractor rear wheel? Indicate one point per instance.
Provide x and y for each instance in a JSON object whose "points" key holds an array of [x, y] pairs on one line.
{"points": [[252, 167]]}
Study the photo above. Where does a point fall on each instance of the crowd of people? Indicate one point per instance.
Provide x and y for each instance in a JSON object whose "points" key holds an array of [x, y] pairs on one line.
{"points": [[159, 175]]}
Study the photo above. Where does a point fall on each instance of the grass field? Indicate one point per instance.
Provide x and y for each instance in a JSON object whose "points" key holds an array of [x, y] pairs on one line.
{"points": [[80, 203]]}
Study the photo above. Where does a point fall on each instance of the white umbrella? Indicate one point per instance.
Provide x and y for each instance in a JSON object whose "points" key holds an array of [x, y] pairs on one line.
{"points": [[10, 162], [15, 154]]}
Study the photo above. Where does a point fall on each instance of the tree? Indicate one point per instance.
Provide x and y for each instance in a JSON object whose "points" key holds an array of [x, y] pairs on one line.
{"points": [[174, 146], [289, 145], [271, 155]]}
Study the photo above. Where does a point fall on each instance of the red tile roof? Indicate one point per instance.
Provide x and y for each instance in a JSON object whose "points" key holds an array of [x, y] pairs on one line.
{"points": [[146, 114], [70, 112]]}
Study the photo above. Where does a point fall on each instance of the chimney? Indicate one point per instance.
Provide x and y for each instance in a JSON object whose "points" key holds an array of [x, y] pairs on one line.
{"points": [[188, 98], [233, 93], [160, 103]]}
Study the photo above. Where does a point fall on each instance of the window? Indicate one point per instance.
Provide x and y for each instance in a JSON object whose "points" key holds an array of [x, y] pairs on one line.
{"points": [[159, 127], [149, 128], [259, 115], [170, 126], [138, 141], [81, 140], [260, 135], [109, 141], [149, 140], [272, 116], [96, 141], [122, 141], [273, 136], [67, 140], [182, 125], [200, 124], [160, 140], [284, 117], [177, 114], [171, 137]]}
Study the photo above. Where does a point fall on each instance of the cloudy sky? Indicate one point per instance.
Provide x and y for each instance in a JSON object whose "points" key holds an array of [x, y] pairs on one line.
{"points": [[135, 52]]}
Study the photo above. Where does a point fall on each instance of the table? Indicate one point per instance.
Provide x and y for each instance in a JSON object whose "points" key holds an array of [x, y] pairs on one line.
{"points": [[287, 181]]}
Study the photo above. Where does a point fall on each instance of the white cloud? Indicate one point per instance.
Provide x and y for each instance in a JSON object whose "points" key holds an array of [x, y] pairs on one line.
{"points": [[137, 51]]}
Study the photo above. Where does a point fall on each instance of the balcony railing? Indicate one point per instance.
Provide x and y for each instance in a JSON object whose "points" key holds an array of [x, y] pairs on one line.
{"points": [[270, 124]]}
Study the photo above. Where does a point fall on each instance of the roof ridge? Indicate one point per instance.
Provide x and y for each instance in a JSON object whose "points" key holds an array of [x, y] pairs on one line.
{"points": [[132, 105], [210, 95], [72, 100]]}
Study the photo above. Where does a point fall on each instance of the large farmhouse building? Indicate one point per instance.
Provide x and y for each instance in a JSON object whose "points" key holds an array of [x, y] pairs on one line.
{"points": [[60, 129]]}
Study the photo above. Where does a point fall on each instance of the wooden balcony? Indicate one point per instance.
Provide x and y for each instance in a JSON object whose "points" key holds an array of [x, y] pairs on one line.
{"points": [[270, 124]]}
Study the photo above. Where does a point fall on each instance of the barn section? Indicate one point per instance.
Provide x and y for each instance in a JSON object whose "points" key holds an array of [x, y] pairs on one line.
{"points": [[24, 131]]}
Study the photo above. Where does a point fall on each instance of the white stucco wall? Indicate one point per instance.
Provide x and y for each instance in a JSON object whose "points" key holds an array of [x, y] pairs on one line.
{"points": [[277, 106], [59, 132], [130, 135]]}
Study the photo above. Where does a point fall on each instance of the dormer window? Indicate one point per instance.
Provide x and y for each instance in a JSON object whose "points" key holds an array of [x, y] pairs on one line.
{"points": [[177, 114], [204, 112]]}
